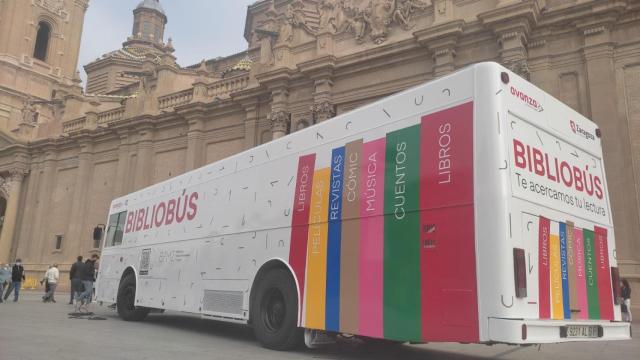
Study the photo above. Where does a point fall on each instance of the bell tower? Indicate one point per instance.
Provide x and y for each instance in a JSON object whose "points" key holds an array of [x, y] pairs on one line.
{"points": [[39, 49], [149, 20]]}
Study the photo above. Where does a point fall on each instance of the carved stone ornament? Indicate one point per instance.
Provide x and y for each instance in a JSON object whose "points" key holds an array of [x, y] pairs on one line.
{"points": [[322, 111], [54, 6], [520, 67], [5, 187], [279, 121], [371, 21]]}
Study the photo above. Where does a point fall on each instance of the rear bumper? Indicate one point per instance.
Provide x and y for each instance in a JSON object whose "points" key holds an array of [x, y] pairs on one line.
{"points": [[551, 331]]}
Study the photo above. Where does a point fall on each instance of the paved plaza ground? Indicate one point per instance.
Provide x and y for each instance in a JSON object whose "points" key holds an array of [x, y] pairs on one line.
{"points": [[32, 330]]}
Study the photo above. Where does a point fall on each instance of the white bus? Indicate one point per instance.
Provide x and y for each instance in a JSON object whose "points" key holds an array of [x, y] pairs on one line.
{"points": [[473, 208]]}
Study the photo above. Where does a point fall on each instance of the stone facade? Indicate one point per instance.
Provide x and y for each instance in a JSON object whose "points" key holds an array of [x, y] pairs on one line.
{"points": [[306, 61]]}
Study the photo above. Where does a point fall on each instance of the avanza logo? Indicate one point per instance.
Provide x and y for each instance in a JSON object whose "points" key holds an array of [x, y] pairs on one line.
{"points": [[533, 103], [580, 131]]}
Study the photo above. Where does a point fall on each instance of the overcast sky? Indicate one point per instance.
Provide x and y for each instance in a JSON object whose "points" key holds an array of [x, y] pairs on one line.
{"points": [[200, 29]]}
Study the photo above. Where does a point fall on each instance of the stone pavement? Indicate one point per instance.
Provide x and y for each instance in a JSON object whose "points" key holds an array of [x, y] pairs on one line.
{"points": [[32, 330]]}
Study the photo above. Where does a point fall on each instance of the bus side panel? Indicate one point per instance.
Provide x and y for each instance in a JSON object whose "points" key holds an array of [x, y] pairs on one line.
{"points": [[448, 258]]}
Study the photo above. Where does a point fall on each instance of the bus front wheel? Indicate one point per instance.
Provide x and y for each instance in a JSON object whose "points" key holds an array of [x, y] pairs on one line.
{"points": [[127, 308], [275, 311]]}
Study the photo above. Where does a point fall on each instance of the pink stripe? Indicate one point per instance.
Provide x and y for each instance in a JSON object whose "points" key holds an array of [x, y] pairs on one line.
{"points": [[581, 284], [372, 238], [544, 280], [605, 293]]}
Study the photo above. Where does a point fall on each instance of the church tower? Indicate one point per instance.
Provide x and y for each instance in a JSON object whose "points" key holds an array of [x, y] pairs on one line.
{"points": [[116, 70], [39, 48], [149, 21]]}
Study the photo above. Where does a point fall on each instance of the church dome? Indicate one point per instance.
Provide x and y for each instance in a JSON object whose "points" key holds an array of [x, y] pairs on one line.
{"points": [[151, 4]]}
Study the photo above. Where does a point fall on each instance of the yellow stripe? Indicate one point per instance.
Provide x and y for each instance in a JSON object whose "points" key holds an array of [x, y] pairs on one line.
{"points": [[317, 251], [556, 279]]}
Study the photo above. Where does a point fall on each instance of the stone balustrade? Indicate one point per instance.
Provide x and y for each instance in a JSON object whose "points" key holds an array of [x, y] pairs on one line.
{"points": [[108, 116], [74, 125], [176, 99], [225, 87]]}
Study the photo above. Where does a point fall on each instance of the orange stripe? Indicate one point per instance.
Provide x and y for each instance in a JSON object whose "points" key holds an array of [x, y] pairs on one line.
{"points": [[317, 251], [556, 279]]}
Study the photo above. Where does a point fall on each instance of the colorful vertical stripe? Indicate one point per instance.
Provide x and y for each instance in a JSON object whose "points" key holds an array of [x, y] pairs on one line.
{"points": [[300, 223], [372, 238], [564, 271], [402, 311], [557, 311], [317, 251], [591, 274], [571, 269], [581, 285], [605, 293], [349, 266], [447, 233], [333, 248], [544, 269]]}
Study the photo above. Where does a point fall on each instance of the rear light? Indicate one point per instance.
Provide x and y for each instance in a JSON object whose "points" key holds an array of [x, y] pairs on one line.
{"points": [[524, 331], [615, 281], [520, 272]]}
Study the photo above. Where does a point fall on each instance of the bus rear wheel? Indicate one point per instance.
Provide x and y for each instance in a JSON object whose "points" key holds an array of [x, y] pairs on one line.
{"points": [[127, 309], [275, 311]]}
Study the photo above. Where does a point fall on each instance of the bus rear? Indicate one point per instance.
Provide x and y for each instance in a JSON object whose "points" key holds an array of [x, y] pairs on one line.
{"points": [[547, 270]]}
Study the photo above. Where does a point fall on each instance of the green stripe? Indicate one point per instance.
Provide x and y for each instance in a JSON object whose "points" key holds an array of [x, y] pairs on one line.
{"points": [[402, 236], [591, 275]]}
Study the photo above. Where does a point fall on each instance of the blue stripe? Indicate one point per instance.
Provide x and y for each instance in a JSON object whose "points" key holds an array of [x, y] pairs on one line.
{"points": [[565, 274], [332, 318]]}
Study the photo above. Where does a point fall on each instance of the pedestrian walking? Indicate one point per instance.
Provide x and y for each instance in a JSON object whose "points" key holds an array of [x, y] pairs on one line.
{"points": [[5, 278], [88, 278], [52, 276], [17, 277], [626, 301], [76, 279], [45, 282]]}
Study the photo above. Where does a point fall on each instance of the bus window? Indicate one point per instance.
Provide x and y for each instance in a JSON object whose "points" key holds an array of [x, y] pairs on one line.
{"points": [[115, 229]]}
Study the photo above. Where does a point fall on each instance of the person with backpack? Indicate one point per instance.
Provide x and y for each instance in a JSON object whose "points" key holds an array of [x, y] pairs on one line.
{"points": [[17, 277], [75, 275], [88, 278]]}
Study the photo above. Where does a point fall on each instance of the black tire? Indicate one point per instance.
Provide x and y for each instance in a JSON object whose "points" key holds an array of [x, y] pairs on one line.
{"points": [[126, 306], [274, 311]]}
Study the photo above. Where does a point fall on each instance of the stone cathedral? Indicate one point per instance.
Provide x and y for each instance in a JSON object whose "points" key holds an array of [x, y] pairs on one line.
{"points": [[66, 152]]}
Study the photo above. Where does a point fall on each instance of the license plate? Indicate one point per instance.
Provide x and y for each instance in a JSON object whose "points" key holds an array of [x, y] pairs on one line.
{"points": [[582, 331]]}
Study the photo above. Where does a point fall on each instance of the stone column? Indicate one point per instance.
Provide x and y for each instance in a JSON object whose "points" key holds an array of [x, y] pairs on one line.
{"points": [[441, 40], [512, 22], [598, 54], [11, 215], [122, 172], [195, 142], [39, 237], [26, 245], [75, 234], [143, 171], [279, 117], [251, 125], [280, 123], [323, 107]]}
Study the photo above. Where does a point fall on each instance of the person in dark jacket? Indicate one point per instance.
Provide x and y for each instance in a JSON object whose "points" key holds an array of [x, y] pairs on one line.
{"points": [[626, 301], [76, 279], [88, 277], [17, 277]]}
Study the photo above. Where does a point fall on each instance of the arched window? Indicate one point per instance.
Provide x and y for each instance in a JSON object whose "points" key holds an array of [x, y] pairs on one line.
{"points": [[42, 41]]}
